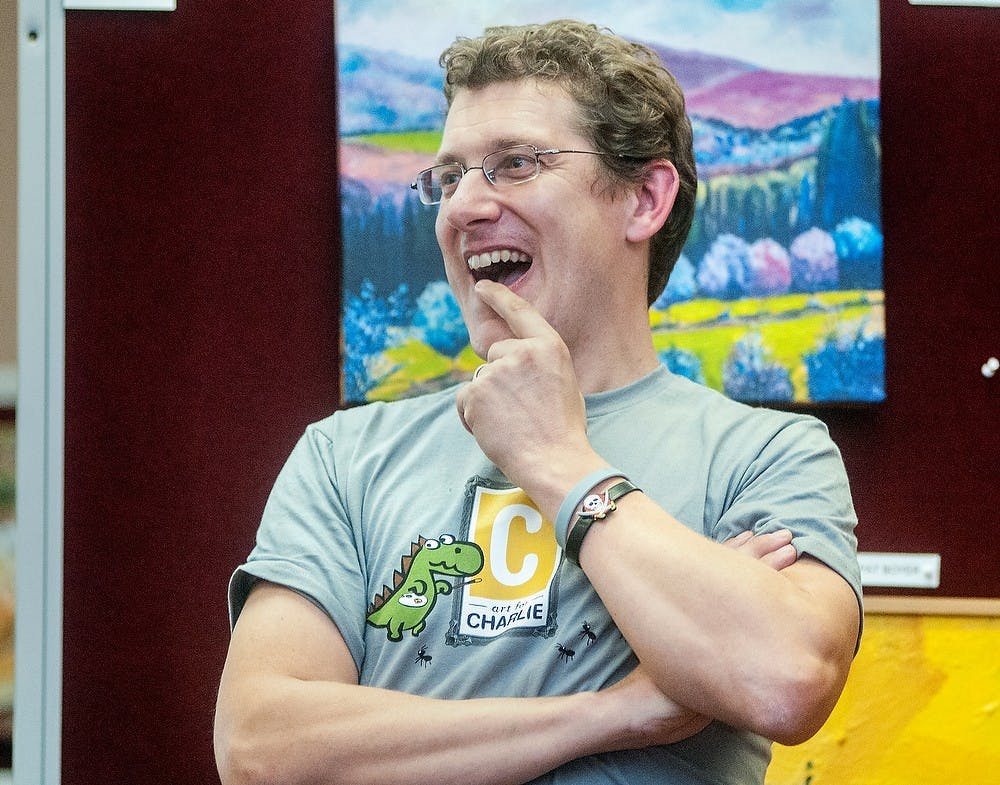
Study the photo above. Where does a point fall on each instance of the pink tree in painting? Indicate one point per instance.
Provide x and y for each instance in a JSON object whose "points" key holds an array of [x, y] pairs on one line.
{"points": [[769, 268]]}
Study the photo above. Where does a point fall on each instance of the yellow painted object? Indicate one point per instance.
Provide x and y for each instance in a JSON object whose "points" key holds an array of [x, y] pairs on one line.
{"points": [[921, 707]]}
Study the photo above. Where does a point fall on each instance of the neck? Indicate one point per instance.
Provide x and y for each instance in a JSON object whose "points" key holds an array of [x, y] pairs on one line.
{"points": [[608, 361]]}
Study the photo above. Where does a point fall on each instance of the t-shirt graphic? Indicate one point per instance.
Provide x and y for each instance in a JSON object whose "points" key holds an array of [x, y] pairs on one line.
{"points": [[508, 558], [516, 589], [417, 583]]}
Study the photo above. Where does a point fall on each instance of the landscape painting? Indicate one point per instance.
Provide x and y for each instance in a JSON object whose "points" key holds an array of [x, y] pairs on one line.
{"points": [[777, 296]]}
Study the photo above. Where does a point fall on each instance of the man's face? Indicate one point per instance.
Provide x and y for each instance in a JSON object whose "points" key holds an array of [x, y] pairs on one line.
{"points": [[564, 223]]}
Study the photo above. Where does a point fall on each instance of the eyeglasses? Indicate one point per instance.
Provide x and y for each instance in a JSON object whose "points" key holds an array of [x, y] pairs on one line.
{"points": [[510, 166]]}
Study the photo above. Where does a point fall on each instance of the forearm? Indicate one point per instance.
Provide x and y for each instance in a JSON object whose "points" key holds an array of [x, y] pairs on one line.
{"points": [[717, 631], [290, 711], [292, 731], [296, 731]]}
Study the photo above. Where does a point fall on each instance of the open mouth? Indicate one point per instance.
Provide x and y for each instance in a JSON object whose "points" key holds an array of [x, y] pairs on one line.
{"points": [[503, 266]]}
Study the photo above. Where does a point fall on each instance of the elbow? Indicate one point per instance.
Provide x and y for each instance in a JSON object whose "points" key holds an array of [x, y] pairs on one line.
{"points": [[248, 756], [242, 760], [237, 765], [793, 730], [800, 704]]}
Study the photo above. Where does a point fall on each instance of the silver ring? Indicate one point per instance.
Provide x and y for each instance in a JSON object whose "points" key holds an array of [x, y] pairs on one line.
{"points": [[475, 373]]}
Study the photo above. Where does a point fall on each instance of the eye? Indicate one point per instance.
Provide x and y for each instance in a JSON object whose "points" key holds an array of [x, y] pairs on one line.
{"points": [[513, 163], [448, 177], [446, 539], [432, 545]]}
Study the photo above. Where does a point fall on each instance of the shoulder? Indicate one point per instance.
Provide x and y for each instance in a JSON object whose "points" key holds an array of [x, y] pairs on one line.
{"points": [[382, 418], [737, 442], [713, 413]]}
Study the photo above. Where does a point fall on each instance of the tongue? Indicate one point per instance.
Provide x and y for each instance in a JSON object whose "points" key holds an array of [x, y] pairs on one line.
{"points": [[509, 274]]}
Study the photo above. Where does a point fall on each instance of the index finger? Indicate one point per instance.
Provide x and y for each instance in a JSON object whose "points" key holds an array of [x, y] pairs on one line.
{"points": [[521, 316]]}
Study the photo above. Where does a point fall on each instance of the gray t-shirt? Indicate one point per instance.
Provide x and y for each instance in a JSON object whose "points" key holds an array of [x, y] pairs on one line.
{"points": [[446, 581]]}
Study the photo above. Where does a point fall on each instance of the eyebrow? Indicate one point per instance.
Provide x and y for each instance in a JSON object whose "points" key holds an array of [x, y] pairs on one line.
{"points": [[501, 143]]}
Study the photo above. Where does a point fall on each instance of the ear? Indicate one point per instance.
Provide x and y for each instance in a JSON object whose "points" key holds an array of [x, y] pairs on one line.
{"points": [[654, 200]]}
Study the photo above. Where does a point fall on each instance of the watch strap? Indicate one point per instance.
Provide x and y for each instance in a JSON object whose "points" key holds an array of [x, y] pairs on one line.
{"points": [[594, 512]]}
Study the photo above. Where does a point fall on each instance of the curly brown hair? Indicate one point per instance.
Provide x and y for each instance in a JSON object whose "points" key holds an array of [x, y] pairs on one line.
{"points": [[630, 106]]}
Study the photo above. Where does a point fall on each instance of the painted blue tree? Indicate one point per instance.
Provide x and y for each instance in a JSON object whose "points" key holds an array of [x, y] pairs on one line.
{"points": [[848, 367], [368, 322], [681, 286], [749, 374], [438, 319], [683, 363], [859, 248]]}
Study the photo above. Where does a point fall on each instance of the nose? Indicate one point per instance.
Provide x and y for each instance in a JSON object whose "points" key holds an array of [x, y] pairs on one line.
{"points": [[474, 200]]}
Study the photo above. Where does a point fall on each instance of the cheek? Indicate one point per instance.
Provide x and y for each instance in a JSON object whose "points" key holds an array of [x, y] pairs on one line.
{"points": [[441, 229], [447, 240]]}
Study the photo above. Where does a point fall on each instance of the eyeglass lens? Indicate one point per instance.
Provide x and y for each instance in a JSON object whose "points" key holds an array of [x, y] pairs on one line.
{"points": [[504, 167]]}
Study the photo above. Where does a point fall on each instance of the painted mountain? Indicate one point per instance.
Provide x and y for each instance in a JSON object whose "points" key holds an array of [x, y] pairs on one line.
{"points": [[381, 91]]}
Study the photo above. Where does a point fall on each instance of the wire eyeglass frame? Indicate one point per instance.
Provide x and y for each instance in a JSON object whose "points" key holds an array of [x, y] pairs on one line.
{"points": [[512, 165]]}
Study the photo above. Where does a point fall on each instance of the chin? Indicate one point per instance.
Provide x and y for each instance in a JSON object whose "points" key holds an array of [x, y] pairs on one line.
{"points": [[484, 334]]}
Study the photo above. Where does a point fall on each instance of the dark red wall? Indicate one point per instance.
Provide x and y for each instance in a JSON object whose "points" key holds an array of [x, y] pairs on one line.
{"points": [[201, 335], [200, 338], [924, 465]]}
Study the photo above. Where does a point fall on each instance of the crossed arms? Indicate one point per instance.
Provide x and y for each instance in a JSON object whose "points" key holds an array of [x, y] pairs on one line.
{"points": [[747, 634]]}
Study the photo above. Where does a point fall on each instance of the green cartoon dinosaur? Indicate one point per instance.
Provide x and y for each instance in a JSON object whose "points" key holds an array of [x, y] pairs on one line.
{"points": [[409, 602]]}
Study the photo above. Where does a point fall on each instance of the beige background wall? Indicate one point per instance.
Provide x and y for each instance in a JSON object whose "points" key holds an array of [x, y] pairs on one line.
{"points": [[8, 195]]}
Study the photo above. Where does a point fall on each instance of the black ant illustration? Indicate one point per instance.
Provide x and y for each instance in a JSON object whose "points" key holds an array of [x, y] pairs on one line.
{"points": [[423, 658], [588, 633], [565, 652]]}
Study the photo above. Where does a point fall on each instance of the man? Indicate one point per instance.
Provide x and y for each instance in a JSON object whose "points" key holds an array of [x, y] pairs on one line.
{"points": [[593, 571]]}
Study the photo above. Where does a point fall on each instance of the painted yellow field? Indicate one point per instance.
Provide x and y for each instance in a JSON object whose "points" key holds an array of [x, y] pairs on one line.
{"points": [[790, 327]]}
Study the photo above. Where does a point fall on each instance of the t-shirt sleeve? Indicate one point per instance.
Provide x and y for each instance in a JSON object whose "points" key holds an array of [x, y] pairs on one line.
{"points": [[797, 481], [306, 542]]}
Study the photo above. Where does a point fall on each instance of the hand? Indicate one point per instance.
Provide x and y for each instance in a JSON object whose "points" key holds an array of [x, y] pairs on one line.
{"points": [[525, 408], [774, 549], [650, 717]]}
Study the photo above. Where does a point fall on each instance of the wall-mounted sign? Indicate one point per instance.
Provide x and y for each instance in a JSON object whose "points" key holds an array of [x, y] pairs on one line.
{"points": [[123, 5], [992, 3], [901, 570]]}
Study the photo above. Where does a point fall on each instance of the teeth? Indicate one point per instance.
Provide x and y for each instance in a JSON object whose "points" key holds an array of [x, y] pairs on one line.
{"points": [[480, 261]]}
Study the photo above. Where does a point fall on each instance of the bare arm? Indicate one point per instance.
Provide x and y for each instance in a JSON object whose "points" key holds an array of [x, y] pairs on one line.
{"points": [[759, 649], [290, 710], [729, 637]]}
